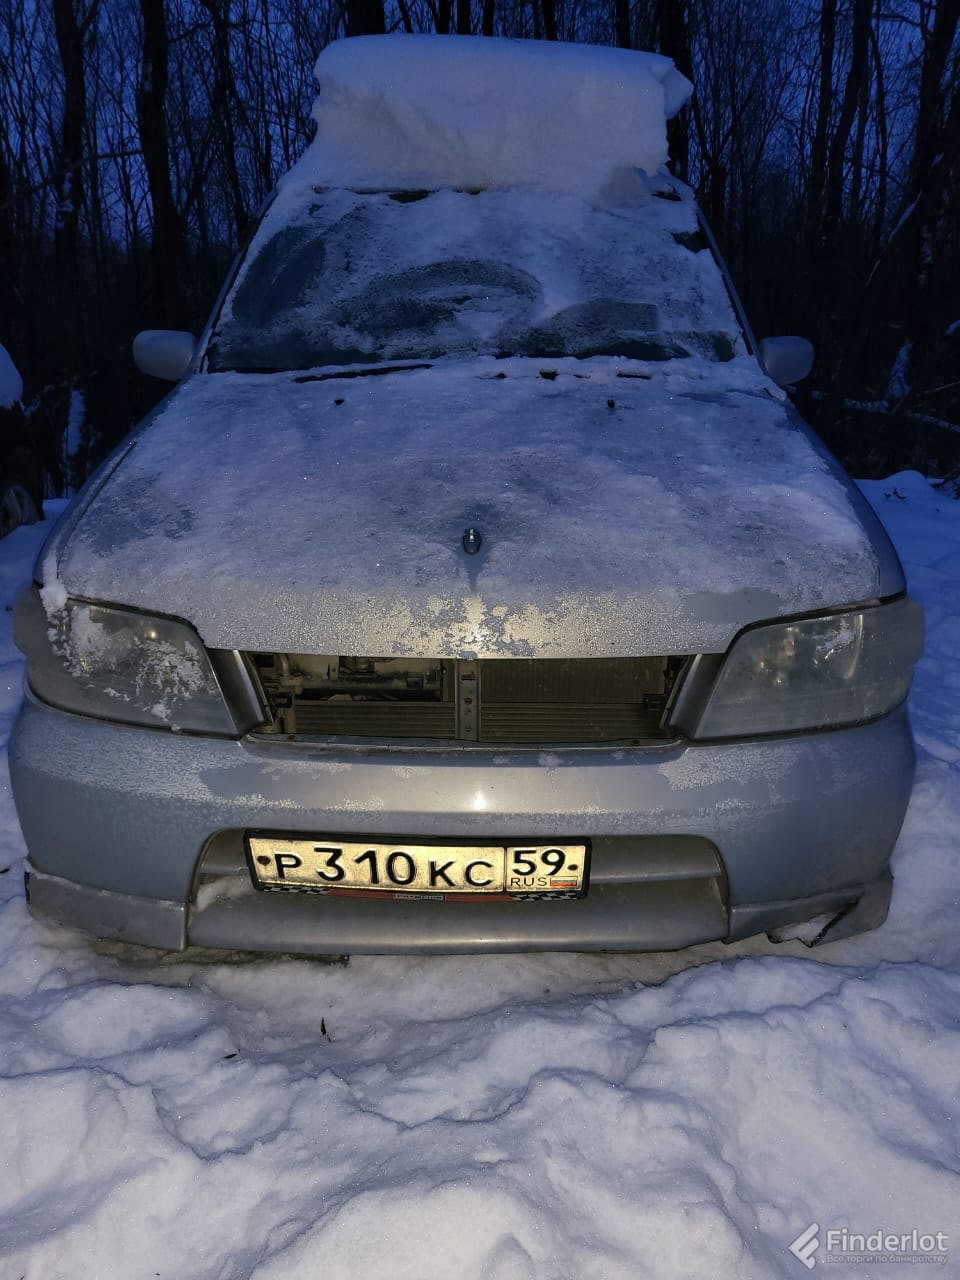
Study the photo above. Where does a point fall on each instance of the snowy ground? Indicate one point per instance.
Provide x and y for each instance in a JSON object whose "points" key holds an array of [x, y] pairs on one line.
{"points": [[560, 1117]]}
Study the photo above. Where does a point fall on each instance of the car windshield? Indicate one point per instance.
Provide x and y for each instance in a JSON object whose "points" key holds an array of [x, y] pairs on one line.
{"points": [[345, 278]]}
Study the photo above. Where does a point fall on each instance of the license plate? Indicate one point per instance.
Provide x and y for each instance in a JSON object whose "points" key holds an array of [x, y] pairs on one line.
{"points": [[332, 865]]}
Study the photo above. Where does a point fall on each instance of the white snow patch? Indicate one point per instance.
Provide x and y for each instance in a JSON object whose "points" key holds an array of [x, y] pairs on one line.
{"points": [[73, 436], [11, 384], [899, 385], [54, 596], [420, 111], [220, 888]]}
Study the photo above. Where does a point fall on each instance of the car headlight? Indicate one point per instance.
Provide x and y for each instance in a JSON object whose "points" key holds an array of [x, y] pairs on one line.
{"points": [[815, 673], [115, 664]]}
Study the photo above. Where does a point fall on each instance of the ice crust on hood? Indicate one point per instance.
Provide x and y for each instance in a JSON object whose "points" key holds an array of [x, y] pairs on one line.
{"points": [[406, 111], [655, 513]]}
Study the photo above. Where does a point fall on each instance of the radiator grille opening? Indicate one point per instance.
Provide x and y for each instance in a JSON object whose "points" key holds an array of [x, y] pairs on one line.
{"points": [[498, 700]]}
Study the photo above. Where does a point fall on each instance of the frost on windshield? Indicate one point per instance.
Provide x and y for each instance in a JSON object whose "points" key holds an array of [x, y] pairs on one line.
{"points": [[341, 277]]}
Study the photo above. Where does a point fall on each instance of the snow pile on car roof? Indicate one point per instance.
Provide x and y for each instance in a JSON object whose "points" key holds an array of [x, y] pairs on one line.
{"points": [[11, 384], [422, 111]]}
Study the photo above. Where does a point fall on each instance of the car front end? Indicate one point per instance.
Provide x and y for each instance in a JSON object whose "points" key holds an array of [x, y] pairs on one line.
{"points": [[478, 590], [588, 732], [144, 834]]}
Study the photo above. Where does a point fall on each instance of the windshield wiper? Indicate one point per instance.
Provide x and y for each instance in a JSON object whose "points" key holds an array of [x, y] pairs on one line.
{"points": [[359, 373]]}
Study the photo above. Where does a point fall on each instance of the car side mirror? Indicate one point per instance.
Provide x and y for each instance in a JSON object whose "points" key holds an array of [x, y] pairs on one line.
{"points": [[164, 353], [786, 360]]}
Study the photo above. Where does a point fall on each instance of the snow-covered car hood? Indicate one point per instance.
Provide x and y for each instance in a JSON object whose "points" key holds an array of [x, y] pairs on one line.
{"points": [[653, 513]]}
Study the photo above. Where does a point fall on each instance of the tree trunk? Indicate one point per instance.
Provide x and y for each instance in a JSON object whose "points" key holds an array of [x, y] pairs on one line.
{"points": [[818, 150], [224, 103], [672, 24], [930, 111], [936, 156], [882, 149], [8, 253], [853, 94], [441, 16], [167, 257], [366, 18], [621, 22], [549, 10], [70, 30]]}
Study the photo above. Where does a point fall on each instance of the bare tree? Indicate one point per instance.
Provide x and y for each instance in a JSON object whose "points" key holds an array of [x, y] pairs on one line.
{"points": [[72, 23], [167, 249]]}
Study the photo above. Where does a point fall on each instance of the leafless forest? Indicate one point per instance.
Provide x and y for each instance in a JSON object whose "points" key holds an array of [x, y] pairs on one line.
{"points": [[139, 137]]}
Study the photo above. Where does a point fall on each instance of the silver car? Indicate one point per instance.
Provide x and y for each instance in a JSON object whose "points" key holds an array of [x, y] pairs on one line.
{"points": [[476, 589]]}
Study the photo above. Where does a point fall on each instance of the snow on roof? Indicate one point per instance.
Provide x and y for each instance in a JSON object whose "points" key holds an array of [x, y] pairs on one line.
{"points": [[422, 111], [11, 384]]}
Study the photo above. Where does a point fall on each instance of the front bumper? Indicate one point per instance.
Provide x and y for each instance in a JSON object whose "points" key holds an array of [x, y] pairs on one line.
{"points": [[137, 834]]}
